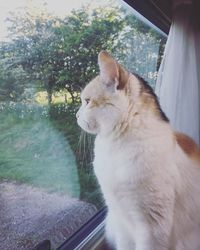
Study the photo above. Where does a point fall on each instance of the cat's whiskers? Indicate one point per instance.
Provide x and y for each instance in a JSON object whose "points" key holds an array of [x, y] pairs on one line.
{"points": [[85, 146]]}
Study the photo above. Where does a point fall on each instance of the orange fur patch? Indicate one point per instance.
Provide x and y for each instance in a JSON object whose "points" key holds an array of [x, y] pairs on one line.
{"points": [[99, 102], [188, 146]]}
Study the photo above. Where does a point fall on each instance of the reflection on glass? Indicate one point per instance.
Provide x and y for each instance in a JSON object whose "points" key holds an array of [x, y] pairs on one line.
{"points": [[48, 52]]}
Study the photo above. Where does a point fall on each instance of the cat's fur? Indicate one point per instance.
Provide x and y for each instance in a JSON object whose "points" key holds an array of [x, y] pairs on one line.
{"points": [[149, 175]]}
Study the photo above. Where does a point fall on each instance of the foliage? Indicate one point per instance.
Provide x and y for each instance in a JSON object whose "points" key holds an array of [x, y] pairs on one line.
{"points": [[11, 78], [52, 54], [139, 48], [61, 54], [88, 35]]}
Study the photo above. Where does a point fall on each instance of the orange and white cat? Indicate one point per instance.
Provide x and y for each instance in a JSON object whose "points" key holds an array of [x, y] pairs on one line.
{"points": [[149, 175]]}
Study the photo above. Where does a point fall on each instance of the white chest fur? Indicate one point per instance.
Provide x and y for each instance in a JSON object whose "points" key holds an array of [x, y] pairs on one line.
{"points": [[121, 168], [131, 174], [127, 170]]}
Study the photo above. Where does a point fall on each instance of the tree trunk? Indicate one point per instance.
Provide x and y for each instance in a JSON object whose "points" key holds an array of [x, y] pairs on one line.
{"points": [[50, 90], [65, 98]]}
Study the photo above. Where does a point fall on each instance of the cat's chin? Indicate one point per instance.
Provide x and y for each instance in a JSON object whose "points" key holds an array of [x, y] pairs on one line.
{"points": [[87, 127], [93, 132]]}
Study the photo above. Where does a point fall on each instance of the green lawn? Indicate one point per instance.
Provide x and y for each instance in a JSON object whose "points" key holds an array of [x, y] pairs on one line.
{"points": [[33, 151], [40, 146]]}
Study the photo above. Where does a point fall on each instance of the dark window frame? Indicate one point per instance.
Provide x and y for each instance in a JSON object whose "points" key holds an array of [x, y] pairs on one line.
{"points": [[88, 234], [158, 12]]}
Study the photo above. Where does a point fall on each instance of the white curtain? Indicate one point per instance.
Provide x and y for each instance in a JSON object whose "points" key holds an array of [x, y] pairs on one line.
{"points": [[178, 83]]}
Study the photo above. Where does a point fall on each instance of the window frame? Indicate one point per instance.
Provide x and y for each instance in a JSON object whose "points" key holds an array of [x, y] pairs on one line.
{"points": [[89, 234], [158, 12]]}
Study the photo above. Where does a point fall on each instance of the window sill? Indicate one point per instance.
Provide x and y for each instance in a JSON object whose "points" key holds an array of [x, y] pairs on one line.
{"points": [[89, 236]]}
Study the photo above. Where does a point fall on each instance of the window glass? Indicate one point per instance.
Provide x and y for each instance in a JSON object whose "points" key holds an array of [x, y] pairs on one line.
{"points": [[48, 52]]}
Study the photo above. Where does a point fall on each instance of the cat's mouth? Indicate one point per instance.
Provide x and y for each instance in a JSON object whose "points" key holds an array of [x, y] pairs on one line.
{"points": [[89, 127]]}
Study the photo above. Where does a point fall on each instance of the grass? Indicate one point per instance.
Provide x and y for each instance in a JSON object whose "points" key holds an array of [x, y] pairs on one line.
{"points": [[40, 146], [33, 151], [58, 97]]}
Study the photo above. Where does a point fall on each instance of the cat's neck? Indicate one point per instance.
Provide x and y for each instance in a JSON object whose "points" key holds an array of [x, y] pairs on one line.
{"points": [[137, 126]]}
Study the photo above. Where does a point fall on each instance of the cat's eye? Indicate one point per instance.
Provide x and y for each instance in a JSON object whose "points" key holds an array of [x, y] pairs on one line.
{"points": [[87, 100]]}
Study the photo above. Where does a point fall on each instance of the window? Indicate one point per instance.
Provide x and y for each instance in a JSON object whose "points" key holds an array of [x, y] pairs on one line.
{"points": [[48, 52]]}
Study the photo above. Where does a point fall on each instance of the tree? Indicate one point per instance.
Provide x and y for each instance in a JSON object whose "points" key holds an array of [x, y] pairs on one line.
{"points": [[12, 78], [141, 48], [33, 46], [62, 53], [53, 54], [83, 36]]}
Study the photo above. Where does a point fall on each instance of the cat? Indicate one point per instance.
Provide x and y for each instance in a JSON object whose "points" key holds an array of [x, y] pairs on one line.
{"points": [[149, 174]]}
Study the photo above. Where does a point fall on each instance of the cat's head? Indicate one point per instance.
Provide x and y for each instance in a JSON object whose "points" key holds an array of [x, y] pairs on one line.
{"points": [[110, 99]]}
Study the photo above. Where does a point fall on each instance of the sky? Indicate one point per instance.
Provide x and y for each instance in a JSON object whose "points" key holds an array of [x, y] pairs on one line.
{"points": [[58, 7]]}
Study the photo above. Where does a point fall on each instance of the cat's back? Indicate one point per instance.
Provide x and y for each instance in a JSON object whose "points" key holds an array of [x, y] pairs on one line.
{"points": [[189, 147], [187, 159], [187, 201]]}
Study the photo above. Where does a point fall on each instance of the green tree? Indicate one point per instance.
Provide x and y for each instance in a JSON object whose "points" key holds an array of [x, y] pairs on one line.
{"points": [[12, 76], [62, 53], [33, 48], [83, 36], [140, 48]]}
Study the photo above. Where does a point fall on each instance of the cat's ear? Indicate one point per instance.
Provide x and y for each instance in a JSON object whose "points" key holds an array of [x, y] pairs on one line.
{"points": [[111, 73]]}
